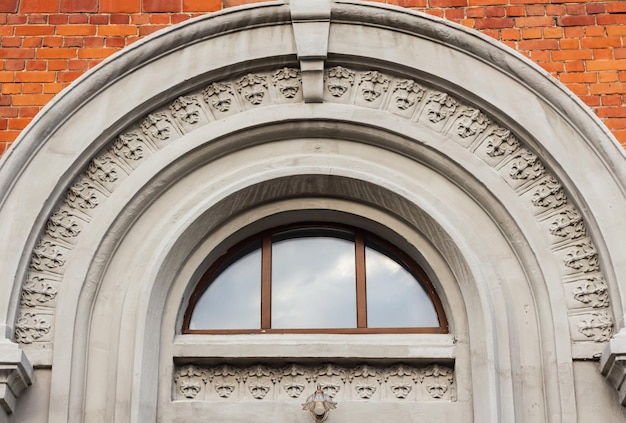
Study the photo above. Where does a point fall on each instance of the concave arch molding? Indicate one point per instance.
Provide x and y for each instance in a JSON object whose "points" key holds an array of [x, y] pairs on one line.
{"points": [[508, 184]]}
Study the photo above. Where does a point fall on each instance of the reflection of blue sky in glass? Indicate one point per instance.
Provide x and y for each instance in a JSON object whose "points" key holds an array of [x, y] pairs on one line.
{"points": [[394, 297], [233, 300], [313, 283]]}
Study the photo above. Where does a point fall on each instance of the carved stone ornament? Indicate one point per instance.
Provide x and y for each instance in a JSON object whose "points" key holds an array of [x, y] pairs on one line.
{"points": [[190, 380], [219, 96], [499, 148], [37, 292], [31, 327], [157, 126], [568, 224], [260, 382], [440, 106], [101, 169], [253, 88], [501, 142], [526, 166], [339, 80], [407, 93], [583, 257], [471, 122], [62, 225], [129, 146], [597, 326], [373, 84], [186, 108], [47, 256], [288, 81], [592, 292], [549, 194]]}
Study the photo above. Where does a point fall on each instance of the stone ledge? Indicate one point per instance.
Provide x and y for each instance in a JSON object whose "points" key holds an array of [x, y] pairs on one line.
{"points": [[15, 375]]}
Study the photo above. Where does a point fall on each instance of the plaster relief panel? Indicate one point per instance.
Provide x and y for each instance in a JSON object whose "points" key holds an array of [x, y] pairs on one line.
{"points": [[292, 382]]}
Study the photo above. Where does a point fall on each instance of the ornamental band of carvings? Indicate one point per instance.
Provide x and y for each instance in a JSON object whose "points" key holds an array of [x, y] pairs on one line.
{"points": [[440, 111], [399, 382]]}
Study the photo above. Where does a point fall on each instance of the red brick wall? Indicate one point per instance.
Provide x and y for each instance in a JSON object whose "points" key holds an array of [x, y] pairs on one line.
{"points": [[46, 44]]}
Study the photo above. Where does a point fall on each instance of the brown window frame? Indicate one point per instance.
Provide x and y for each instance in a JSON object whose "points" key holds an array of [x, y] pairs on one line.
{"points": [[361, 238]]}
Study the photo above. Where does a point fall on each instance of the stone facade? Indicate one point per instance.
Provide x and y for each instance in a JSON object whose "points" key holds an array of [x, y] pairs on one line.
{"points": [[466, 156]]}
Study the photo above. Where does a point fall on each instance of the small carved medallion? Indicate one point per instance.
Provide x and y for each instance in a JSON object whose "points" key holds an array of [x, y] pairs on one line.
{"points": [[259, 391], [287, 80], [30, 327], [224, 390], [401, 391], [157, 126], [437, 390], [129, 146], [501, 143], [438, 380], [407, 93], [253, 88], [37, 291], [339, 80], [293, 389], [219, 95], [597, 326], [526, 166], [46, 256], [471, 122], [61, 225], [101, 169], [187, 109], [440, 106], [365, 391], [549, 194], [82, 195], [568, 224], [373, 84], [191, 379], [592, 292], [583, 257]]}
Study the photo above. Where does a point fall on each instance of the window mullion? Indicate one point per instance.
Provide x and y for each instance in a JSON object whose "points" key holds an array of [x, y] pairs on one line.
{"points": [[361, 295], [266, 283]]}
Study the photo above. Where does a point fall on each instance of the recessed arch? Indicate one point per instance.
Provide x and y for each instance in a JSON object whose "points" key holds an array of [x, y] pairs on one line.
{"points": [[125, 187]]}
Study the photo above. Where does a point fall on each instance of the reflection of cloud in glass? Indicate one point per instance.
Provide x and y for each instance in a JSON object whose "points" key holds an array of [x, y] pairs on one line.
{"points": [[313, 283], [394, 297], [233, 300]]}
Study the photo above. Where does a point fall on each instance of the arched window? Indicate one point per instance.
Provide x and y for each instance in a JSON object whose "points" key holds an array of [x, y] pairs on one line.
{"points": [[315, 278]]}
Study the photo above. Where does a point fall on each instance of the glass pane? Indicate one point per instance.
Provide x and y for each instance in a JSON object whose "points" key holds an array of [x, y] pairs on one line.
{"points": [[233, 300], [313, 283], [395, 299]]}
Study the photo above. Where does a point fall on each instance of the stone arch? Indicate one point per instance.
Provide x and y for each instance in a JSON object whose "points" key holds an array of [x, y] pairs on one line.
{"points": [[463, 152]]}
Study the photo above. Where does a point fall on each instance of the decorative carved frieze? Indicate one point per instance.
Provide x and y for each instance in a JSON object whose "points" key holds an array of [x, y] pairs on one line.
{"points": [[438, 110], [399, 382]]}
